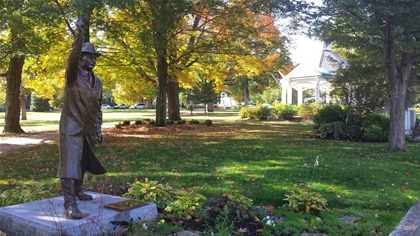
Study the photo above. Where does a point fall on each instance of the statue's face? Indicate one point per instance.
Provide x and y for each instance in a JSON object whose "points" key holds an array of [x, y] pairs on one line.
{"points": [[88, 61]]}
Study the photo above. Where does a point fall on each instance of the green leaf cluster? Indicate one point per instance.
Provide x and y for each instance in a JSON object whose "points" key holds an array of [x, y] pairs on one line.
{"points": [[306, 202], [186, 204], [24, 193], [151, 191]]}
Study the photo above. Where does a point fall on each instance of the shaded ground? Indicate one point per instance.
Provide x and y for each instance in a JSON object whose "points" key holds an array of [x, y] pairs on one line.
{"points": [[16, 141]]}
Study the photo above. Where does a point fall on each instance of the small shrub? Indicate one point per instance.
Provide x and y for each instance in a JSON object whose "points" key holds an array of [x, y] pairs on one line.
{"points": [[24, 193], [169, 122], [118, 126], [208, 122], [329, 114], [248, 112], [308, 111], [217, 207], [181, 121], [126, 122], [194, 121], [376, 127], [151, 191], [139, 122], [186, 203], [147, 121], [336, 129], [288, 111], [308, 202], [263, 112]]}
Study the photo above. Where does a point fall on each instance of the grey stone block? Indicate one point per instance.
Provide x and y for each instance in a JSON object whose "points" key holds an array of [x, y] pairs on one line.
{"points": [[47, 217]]}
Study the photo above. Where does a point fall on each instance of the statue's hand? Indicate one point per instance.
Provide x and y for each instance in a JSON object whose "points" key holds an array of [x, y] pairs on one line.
{"points": [[80, 23], [100, 138]]}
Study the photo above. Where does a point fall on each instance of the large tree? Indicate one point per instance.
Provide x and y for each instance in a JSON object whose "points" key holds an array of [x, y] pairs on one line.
{"points": [[25, 32], [390, 27]]}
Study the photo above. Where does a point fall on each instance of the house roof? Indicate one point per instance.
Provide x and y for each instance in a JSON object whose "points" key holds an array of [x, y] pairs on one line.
{"points": [[325, 63]]}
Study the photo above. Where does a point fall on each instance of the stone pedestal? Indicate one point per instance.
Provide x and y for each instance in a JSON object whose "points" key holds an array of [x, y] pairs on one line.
{"points": [[47, 217]]}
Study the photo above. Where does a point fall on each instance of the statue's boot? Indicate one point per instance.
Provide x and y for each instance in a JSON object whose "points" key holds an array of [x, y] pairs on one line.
{"points": [[79, 191], [70, 202]]}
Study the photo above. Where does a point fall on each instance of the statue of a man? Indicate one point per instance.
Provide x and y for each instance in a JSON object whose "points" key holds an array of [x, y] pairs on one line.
{"points": [[80, 123]]}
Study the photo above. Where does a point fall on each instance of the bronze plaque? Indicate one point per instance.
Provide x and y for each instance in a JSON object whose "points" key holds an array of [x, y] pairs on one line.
{"points": [[125, 205]]}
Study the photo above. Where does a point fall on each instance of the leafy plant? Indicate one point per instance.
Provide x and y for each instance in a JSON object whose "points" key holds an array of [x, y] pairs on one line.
{"points": [[126, 122], [169, 121], [376, 127], [216, 207], [336, 129], [248, 112], [24, 193], [309, 202], [263, 112], [329, 114], [138, 122], [194, 121], [208, 122], [118, 126], [151, 191], [186, 203], [182, 121]]}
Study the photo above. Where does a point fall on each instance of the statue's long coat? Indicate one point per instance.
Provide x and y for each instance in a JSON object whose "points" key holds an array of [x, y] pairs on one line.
{"points": [[81, 118]]}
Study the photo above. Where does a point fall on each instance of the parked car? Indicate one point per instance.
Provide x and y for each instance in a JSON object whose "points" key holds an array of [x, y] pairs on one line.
{"points": [[121, 106], [221, 106], [138, 106], [267, 105], [105, 106]]}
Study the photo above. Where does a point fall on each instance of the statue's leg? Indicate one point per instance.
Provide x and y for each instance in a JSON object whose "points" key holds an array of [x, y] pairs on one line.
{"points": [[84, 165], [69, 195], [79, 191]]}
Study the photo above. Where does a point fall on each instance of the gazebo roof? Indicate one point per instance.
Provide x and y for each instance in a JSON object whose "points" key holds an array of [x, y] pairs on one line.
{"points": [[322, 65]]}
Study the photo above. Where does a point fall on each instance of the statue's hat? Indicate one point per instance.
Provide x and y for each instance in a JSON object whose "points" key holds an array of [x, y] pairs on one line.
{"points": [[89, 48]]}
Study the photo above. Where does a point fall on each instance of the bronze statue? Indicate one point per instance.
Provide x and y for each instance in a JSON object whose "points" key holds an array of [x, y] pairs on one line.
{"points": [[80, 122]]}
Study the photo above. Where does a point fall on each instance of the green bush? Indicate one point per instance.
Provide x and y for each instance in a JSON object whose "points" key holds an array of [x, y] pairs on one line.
{"points": [[263, 112], [186, 204], [181, 121], [308, 111], [376, 127], [225, 206], [285, 111], [169, 122], [208, 122], [151, 191], [194, 121], [329, 114], [335, 129], [138, 122], [248, 112], [24, 193], [306, 202], [126, 122], [39, 104]]}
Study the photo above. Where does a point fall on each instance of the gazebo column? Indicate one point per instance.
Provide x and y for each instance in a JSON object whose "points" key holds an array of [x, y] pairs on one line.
{"points": [[317, 95], [289, 95], [300, 96], [328, 98], [283, 92]]}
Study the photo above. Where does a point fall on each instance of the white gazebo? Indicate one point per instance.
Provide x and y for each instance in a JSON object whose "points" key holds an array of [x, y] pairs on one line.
{"points": [[311, 74]]}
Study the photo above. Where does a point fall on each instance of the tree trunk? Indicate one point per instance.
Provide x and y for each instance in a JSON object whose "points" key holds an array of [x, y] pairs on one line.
{"points": [[398, 77], [13, 79], [245, 91], [162, 80], [210, 107], [23, 107], [173, 101]]}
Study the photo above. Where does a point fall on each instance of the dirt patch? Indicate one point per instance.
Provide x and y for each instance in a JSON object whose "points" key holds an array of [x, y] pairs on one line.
{"points": [[13, 142]]}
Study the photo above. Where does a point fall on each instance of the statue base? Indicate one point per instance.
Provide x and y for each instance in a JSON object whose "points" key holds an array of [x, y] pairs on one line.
{"points": [[48, 217]]}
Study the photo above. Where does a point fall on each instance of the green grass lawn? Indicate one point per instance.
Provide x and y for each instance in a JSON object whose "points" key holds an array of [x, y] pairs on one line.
{"points": [[263, 160]]}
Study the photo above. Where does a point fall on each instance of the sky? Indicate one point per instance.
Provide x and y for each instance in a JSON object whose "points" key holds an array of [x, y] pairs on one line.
{"points": [[304, 48]]}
